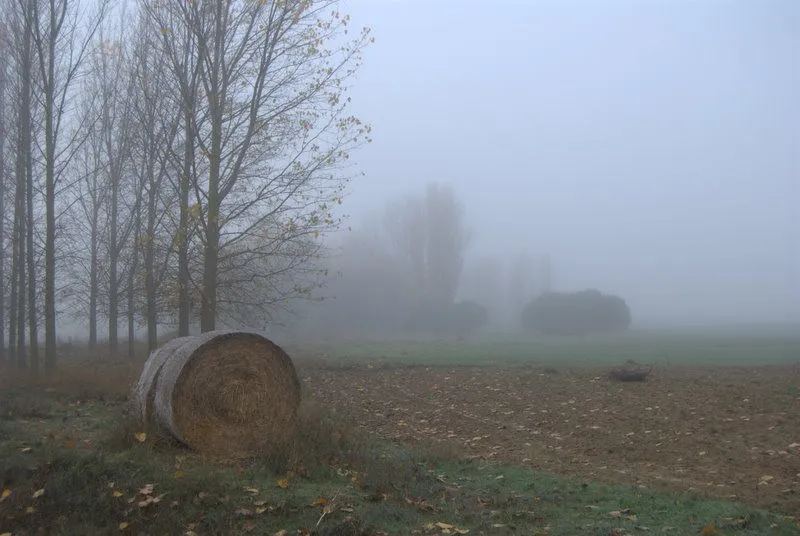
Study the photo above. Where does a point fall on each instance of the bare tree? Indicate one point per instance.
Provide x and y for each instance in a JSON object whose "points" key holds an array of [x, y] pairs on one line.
{"points": [[430, 239], [91, 201], [62, 33], [156, 129], [21, 238], [446, 244], [114, 90], [268, 119], [520, 285]]}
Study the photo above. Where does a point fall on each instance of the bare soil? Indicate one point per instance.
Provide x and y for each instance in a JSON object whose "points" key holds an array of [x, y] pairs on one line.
{"points": [[727, 432]]}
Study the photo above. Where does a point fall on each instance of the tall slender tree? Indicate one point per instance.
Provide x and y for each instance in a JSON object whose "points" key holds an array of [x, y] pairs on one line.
{"points": [[62, 33]]}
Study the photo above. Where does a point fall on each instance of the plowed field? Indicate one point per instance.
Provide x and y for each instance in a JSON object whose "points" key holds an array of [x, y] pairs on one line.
{"points": [[728, 432]]}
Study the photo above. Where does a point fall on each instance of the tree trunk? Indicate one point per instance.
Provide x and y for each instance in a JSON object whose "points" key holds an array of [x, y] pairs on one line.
{"points": [[24, 178], [2, 205], [132, 270], [33, 330], [208, 316], [113, 246], [93, 271], [22, 359], [12, 304], [150, 267], [183, 230], [131, 314], [216, 101]]}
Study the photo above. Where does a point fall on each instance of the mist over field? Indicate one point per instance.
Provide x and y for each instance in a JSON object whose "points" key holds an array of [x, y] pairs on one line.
{"points": [[642, 151], [651, 149]]}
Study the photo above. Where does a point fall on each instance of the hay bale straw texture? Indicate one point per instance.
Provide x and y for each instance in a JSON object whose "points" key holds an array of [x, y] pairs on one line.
{"points": [[226, 393]]}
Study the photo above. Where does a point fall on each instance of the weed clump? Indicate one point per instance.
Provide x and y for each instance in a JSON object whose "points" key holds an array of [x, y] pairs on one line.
{"points": [[630, 372]]}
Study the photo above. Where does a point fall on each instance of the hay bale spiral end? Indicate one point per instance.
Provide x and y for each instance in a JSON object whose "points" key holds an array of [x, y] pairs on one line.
{"points": [[230, 393]]}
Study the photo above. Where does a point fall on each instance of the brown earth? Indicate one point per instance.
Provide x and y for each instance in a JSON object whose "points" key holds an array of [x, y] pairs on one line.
{"points": [[731, 432]]}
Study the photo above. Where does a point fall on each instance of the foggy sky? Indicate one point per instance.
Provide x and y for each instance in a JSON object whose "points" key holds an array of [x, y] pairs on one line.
{"points": [[650, 147]]}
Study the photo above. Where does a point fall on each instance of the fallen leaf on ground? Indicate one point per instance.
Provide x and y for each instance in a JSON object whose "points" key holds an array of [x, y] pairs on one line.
{"points": [[320, 501], [5, 494], [141, 437], [178, 474], [283, 483], [30, 510], [38, 493], [124, 525], [116, 493]]}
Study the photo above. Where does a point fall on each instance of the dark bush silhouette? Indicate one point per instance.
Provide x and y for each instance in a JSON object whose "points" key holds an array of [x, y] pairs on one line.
{"points": [[578, 313]]}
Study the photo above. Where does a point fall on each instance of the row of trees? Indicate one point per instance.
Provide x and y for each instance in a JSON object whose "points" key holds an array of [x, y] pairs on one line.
{"points": [[404, 276], [404, 273], [167, 162]]}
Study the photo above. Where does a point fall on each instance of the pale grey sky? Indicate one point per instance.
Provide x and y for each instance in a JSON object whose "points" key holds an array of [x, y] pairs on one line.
{"points": [[651, 147]]}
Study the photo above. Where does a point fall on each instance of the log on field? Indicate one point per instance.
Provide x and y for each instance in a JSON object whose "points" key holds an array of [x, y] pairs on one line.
{"points": [[228, 393]]}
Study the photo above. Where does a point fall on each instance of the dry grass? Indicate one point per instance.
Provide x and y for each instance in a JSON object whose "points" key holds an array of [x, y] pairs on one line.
{"points": [[98, 380]]}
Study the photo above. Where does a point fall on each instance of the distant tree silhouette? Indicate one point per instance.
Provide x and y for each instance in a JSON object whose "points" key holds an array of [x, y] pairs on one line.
{"points": [[587, 311]]}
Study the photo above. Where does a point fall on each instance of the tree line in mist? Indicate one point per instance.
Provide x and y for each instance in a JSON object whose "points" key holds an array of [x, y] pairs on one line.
{"points": [[408, 272], [167, 162]]}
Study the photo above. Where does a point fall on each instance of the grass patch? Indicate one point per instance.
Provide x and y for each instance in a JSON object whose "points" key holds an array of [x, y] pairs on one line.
{"points": [[96, 492], [678, 348]]}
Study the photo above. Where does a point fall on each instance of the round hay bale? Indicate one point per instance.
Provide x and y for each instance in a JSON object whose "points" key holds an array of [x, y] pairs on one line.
{"points": [[228, 393]]}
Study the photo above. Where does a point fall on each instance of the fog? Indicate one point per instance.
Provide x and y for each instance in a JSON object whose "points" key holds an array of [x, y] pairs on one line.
{"points": [[649, 148], [643, 151]]}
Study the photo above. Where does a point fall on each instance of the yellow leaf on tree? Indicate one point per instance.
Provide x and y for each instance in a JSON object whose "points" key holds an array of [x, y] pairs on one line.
{"points": [[283, 483], [141, 437]]}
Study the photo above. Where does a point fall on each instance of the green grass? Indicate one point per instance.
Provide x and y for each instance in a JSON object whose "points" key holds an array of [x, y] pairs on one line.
{"points": [[79, 498], [676, 348], [95, 476]]}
